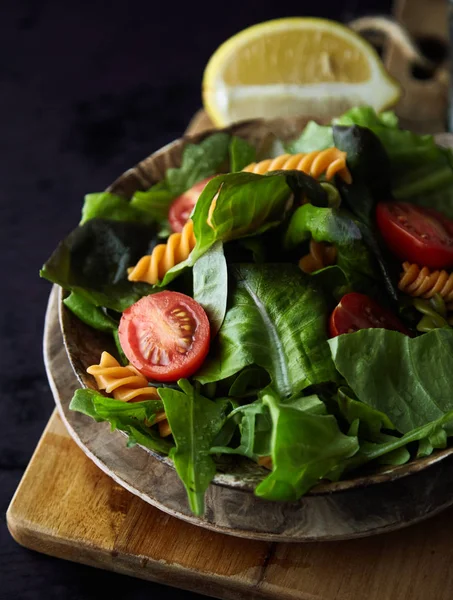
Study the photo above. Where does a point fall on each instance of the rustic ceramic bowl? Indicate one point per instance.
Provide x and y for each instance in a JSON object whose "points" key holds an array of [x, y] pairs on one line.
{"points": [[369, 503]]}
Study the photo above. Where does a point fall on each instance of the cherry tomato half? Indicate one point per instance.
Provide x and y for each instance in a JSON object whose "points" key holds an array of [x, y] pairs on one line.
{"points": [[182, 206], [358, 311], [165, 335], [420, 235]]}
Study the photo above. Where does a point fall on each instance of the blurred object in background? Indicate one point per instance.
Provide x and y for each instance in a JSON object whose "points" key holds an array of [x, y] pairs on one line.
{"points": [[415, 49]]}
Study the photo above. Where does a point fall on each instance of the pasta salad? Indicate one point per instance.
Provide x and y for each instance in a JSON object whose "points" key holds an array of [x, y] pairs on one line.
{"points": [[291, 309]]}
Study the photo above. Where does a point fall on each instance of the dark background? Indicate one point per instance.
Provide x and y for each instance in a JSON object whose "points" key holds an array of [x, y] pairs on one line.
{"points": [[87, 89]]}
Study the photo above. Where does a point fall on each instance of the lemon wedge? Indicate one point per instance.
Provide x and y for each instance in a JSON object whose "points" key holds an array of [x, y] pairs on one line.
{"points": [[292, 67]]}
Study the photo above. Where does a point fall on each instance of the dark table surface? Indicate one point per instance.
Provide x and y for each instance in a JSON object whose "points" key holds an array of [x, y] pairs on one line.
{"points": [[87, 88]]}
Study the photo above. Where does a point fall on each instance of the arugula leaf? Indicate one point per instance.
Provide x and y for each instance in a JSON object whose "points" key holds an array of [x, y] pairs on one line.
{"points": [[93, 260], [406, 378], [277, 320], [130, 417], [378, 451], [371, 421], [194, 421], [255, 427], [210, 285], [110, 206], [306, 446], [241, 154], [249, 380]]}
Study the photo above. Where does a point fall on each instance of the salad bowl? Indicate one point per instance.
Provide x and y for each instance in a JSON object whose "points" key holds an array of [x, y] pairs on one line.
{"points": [[372, 501]]}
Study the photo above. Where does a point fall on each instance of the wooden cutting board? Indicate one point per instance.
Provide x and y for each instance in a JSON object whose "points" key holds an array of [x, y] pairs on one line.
{"points": [[66, 507]]}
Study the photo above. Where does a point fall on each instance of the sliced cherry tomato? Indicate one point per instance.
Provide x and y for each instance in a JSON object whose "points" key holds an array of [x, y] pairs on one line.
{"points": [[420, 235], [165, 335], [358, 311], [182, 206]]}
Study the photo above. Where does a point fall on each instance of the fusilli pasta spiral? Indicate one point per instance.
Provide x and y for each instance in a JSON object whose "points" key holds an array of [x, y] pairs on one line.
{"points": [[320, 255], [424, 283], [152, 267], [127, 384], [330, 162]]}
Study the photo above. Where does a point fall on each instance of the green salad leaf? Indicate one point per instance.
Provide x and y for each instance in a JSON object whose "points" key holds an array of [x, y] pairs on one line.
{"points": [[92, 315], [336, 227], [241, 154], [306, 446], [131, 417], [93, 260], [276, 319], [371, 421], [153, 202], [246, 204], [194, 421], [406, 378], [110, 206], [313, 137], [210, 285], [198, 162]]}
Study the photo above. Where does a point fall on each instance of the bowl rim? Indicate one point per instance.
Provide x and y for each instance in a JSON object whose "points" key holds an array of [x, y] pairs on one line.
{"points": [[137, 177]]}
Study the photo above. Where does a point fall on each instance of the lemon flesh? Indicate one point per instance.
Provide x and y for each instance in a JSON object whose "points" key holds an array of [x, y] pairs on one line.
{"points": [[291, 67]]}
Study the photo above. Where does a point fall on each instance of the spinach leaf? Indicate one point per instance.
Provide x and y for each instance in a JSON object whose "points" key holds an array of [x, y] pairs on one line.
{"points": [[406, 378], [241, 154], [194, 421], [306, 446], [210, 285], [130, 417], [93, 260], [92, 315], [110, 206], [277, 320]]}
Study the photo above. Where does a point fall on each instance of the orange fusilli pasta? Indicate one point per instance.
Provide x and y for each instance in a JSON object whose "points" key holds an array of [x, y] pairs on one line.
{"points": [[321, 255], [424, 283], [152, 267], [266, 462], [329, 162], [127, 384]]}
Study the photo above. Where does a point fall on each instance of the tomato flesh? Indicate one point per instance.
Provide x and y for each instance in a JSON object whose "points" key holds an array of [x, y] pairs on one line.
{"points": [[165, 335], [182, 206], [358, 311], [420, 235]]}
